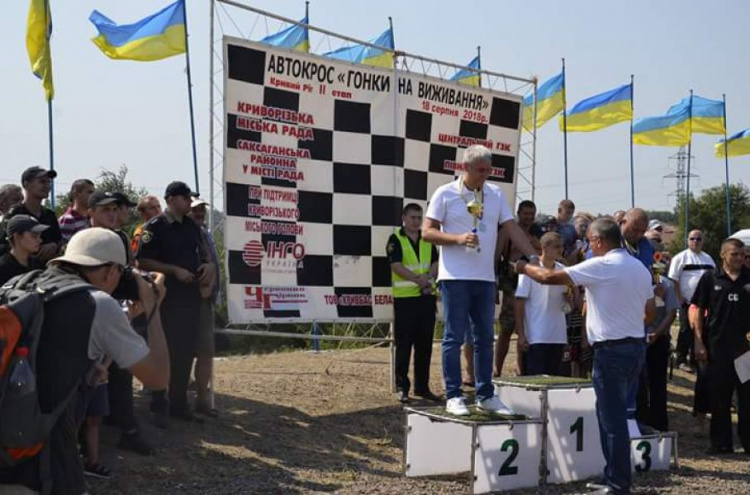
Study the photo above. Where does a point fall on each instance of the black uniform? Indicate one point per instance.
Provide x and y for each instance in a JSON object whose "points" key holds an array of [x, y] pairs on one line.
{"points": [[166, 240], [728, 322], [10, 267], [47, 217], [414, 326]]}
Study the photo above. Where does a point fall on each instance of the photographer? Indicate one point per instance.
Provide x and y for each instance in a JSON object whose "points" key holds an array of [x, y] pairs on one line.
{"points": [[80, 330]]}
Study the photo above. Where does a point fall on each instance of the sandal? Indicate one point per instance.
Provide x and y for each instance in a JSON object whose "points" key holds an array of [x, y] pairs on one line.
{"points": [[97, 470]]}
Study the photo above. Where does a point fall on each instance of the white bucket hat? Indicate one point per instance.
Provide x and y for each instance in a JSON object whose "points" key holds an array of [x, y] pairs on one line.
{"points": [[93, 247]]}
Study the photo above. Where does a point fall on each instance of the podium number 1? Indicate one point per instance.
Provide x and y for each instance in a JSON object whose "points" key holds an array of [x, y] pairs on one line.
{"points": [[577, 428], [507, 469]]}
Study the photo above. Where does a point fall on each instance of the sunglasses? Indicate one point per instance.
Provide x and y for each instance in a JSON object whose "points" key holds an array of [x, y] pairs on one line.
{"points": [[695, 239]]}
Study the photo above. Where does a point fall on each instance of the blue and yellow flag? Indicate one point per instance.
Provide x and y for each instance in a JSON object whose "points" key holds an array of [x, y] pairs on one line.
{"points": [[666, 130], [738, 144], [38, 33], [155, 37], [367, 55], [469, 77], [295, 37], [551, 101], [600, 111], [707, 116]]}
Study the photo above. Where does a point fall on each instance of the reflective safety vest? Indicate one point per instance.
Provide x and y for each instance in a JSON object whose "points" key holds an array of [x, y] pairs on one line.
{"points": [[407, 288]]}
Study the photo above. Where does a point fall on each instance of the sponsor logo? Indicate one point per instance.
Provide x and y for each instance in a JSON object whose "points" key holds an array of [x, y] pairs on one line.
{"points": [[275, 298], [276, 254]]}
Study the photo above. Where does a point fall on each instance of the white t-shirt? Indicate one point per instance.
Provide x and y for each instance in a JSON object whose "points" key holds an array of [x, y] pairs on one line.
{"points": [[111, 334], [687, 268], [544, 320], [617, 286], [448, 207]]}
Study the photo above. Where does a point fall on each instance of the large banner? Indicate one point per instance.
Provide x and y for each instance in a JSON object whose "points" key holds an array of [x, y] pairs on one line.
{"points": [[320, 157]]}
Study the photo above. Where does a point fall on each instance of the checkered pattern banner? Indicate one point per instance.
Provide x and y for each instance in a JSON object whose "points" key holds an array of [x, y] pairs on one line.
{"points": [[320, 157]]}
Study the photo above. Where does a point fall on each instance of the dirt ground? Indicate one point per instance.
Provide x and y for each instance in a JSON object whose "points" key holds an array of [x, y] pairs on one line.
{"points": [[302, 422]]}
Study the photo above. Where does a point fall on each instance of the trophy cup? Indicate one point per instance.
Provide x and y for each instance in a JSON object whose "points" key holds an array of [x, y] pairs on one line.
{"points": [[475, 209], [566, 307]]}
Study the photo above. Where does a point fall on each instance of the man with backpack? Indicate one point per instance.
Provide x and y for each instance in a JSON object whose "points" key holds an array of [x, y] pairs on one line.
{"points": [[66, 322]]}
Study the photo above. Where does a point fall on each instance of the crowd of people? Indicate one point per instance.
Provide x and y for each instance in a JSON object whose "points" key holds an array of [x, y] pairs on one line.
{"points": [[145, 310], [585, 295]]}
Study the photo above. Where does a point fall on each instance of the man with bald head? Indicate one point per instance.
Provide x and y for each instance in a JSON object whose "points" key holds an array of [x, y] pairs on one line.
{"points": [[633, 226], [686, 270]]}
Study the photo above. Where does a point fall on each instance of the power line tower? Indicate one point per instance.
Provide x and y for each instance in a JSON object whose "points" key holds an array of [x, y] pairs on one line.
{"points": [[680, 174]]}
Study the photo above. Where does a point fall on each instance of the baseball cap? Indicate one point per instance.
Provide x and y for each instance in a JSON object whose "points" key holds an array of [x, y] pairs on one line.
{"points": [[93, 247], [123, 199], [654, 224], [24, 223], [101, 198], [178, 188], [198, 202], [32, 173]]}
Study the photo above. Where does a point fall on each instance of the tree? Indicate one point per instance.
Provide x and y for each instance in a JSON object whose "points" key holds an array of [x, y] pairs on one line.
{"points": [[112, 182], [708, 213]]}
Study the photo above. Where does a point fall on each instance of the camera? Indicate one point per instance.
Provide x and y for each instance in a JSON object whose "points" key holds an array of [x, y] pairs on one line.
{"points": [[127, 289]]}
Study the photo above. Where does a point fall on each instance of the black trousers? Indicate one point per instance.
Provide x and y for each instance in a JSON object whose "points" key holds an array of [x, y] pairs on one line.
{"points": [[651, 405], [723, 381], [685, 337], [543, 359], [121, 410], [414, 327], [180, 320]]}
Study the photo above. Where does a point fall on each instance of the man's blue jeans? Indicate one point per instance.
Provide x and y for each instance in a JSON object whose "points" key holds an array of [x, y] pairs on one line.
{"points": [[468, 309], [616, 370]]}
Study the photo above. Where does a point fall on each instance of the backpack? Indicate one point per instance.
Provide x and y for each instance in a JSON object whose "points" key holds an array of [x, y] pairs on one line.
{"points": [[23, 426]]}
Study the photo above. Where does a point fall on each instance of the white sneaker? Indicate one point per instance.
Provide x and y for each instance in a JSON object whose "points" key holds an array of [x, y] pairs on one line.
{"points": [[457, 407], [494, 405]]}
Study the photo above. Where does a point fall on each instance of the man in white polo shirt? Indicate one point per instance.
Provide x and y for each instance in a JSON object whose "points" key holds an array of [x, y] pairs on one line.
{"points": [[686, 270], [463, 218], [618, 291]]}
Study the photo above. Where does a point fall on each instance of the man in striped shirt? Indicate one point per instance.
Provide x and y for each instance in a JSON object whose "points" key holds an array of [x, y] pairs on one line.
{"points": [[75, 217]]}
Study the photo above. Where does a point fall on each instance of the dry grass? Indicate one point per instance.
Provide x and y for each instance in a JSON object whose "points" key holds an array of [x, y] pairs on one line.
{"points": [[306, 423]]}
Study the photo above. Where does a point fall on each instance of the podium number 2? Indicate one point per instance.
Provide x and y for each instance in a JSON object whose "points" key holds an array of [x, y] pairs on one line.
{"points": [[507, 469], [577, 428], [645, 446]]}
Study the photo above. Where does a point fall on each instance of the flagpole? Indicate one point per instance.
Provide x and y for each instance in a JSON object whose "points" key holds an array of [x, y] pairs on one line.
{"points": [[687, 189], [479, 64], [632, 166], [565, 130], [533, 143], [190, 101], [51, 151], [211, 117], [726, 168]]}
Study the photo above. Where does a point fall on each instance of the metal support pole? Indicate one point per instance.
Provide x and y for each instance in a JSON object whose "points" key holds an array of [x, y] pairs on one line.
{"points": [[726, 169], [565, 130], [687, 189], [190, 103], [632, 166], [211, 117], [51, 152], [392, 357]]}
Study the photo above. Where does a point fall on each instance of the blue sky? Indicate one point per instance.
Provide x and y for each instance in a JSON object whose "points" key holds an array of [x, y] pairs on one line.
{"points": [[109, 113]]}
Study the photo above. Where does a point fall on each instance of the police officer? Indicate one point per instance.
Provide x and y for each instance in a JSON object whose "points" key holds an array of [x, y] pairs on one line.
{"points": [[725, 294], [172, 244], [413, 270]]}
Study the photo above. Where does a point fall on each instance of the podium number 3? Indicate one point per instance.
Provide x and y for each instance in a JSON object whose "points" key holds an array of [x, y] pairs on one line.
{"points": [[646, 448], [577, 428], [507, 469]]}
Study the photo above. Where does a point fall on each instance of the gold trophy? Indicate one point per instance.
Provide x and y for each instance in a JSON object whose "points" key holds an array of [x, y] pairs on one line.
{"points": [[475, 209], [566, 307], [657, 269]]}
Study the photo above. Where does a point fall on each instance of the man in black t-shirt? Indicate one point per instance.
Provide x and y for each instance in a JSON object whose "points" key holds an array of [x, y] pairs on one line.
{"points": [[36, 186], [172, 244], [24, 237], [725, 294]]}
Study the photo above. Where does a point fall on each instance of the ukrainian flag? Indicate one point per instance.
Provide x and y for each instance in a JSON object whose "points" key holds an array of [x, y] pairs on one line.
{"points": [[738, 144], [158, 36], [367, 55], [707, 116], [551, 101], [469, 77], [38, 33], [600, 111], [667, 130], [295, 37]]}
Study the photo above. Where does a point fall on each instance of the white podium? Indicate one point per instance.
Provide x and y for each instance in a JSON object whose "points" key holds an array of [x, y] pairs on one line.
{"points": [[500, 454], [571, 448]]}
